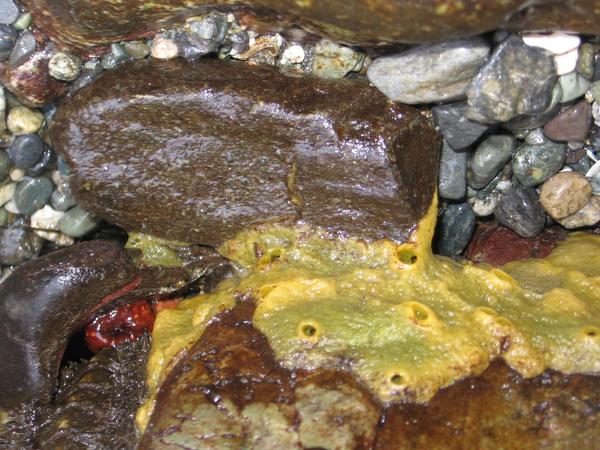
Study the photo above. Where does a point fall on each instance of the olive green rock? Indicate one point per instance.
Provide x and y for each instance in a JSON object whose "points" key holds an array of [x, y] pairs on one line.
{"points": [[81, 23], [198, 151]]}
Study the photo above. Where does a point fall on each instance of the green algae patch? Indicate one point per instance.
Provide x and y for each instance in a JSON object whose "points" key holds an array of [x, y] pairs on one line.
{"points": [[403, 321], [155, 251]]}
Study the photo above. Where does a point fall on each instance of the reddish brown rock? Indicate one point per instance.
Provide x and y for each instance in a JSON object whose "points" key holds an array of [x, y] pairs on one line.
{"points": [[30, 82], [201, 151], [80, 23], [497, 245], [572, 124]]}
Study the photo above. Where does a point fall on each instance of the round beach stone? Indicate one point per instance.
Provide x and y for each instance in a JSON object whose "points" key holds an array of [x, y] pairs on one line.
{"points": [[9, 11], [44, 164], [163, 48], [455, 229], [77, 223], [332, 60], [8, 37], [4, 165], [491, 155], [452, 181], [572, 124], [458, 130], [517, 79], [137, 49], [64, 66], [565, 194], [587, 216], [429, 73], [26, 150], [23, 120], [520, 210], [24, 47], [534, 164], [32, 194], [18, 245], [573, 86]]}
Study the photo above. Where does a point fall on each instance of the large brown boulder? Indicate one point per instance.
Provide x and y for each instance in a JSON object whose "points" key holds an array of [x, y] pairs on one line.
{"points": [[79, 23], [200, 151]]}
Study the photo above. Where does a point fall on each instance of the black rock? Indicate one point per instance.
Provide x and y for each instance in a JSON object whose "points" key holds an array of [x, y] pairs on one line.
{"points": [[521, 211], [26, 150], [455, 229], [491, 156], [458, 130], [517, 79]]}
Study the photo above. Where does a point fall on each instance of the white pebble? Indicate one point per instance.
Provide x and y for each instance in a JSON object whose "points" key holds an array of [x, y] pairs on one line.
{"points": [[293, 55], [16, 174], [46, 218], [566, 62], [555, 43], [6, 193], [163, 48], [11, 207]]}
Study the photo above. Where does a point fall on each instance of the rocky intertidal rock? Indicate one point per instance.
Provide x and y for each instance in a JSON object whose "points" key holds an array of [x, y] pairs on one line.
{"points": [[81, 23], [200, 151], [42, 303]]}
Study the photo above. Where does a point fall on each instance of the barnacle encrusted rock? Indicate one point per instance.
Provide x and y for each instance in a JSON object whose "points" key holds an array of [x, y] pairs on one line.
{"points": [[81, 23], [200, 151]]}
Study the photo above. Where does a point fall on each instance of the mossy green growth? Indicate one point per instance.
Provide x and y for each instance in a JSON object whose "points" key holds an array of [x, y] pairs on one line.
{"points": [[404, 321], [155, 251]]}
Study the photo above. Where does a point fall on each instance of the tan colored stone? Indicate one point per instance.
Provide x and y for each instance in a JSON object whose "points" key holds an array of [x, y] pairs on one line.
{"points": [[565, 193], [587, 216]]}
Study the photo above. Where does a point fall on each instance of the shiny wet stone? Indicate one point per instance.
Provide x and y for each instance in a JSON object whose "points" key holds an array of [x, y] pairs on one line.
{"points": [[26, 150], [534, 164], [32, 194], [458, 130], [491, 155], [455, 229], [572, 124], [520, 210], [452, 183], [77, 223]]}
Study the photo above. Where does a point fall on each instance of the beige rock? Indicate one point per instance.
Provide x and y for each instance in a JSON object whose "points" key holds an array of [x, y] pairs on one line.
{"points": [[587, 216], [22, 120], [163, 48], [565, 193]]}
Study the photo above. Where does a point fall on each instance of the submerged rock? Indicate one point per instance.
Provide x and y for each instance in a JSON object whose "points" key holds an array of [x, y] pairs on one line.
{"points": [[198, 151], [81, 23]]}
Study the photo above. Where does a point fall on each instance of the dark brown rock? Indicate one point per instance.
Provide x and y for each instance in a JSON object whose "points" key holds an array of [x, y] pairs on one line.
{"points": [[42, 303], [80, 23], [497, 245], [30, 81], [199, 151], [572, 124]]}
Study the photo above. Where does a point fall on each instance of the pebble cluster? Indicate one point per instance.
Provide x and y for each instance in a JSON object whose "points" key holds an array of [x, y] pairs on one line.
{"points": [[519, 114]]}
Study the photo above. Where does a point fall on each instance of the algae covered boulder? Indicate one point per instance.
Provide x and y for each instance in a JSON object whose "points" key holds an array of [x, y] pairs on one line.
{"points": [[81, 23], [199, 151]]}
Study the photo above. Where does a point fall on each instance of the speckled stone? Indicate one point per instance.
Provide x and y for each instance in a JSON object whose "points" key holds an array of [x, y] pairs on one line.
{"points": [[520, 210], [529, 122], [64, 66], [517, 79], [586, 61], [163, 48], [332, 60], [136, 49], [587, 216], [564, 194], [4, 165], [458, 130], [22, 120], [18, 245], [32, 194], [456, 226], [572, 124], [117, 56], [485, 202], [452, 182], [430, 73], [491, 155], [534, 164]]}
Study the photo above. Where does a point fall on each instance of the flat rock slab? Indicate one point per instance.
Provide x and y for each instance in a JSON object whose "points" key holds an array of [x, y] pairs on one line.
{"points": [[199, 151], [81, 23]]}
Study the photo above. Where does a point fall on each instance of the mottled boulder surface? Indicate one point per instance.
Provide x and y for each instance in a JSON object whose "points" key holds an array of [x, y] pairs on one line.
{"points": [[199, 151], [81, 23]]}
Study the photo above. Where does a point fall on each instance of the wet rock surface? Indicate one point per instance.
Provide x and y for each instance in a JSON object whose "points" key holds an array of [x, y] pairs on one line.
{"points": [[43, 303], [521, 211], [497, 245], [77, 23], [208, 148]]}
